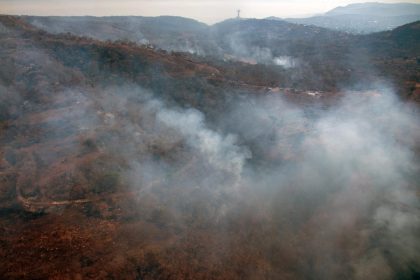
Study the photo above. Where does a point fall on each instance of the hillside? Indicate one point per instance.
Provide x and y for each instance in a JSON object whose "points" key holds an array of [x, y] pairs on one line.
{"points": [[323, 59], [165, 32], [283, 153], [298, 56]]}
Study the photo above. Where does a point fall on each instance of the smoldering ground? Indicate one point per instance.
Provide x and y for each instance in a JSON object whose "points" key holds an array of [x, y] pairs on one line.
{"points": [[333, 178], [305, 189], [328, 192]]}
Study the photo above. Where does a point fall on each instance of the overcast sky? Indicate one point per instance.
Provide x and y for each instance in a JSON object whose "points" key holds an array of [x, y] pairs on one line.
{"points": [[208, 11]]}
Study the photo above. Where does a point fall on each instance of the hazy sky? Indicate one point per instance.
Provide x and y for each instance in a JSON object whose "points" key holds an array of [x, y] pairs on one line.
{"points": [[208, 11]]}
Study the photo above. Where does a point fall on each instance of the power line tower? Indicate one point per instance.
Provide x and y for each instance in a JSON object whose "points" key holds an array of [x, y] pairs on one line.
{"points": [[239, 14]]}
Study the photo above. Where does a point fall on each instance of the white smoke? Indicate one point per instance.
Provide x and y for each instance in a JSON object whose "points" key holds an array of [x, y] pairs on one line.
{"points": [[222, 152], [284, 61]]}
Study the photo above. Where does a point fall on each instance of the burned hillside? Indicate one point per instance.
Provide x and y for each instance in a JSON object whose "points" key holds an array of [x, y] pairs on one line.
{"points": [[120, 160]]}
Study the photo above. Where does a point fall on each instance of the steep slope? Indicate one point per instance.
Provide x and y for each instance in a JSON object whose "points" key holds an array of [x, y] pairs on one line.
{"points": [[65, 118], [81, 137], [166, 32], [122, 161]]}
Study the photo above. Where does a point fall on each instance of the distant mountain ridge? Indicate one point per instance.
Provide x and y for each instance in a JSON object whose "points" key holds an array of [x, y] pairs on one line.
{"points": [[364, 17], [378, 9]]}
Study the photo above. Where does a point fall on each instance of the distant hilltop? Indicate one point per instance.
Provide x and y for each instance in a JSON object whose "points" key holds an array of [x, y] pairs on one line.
{"points": [[377, 9], [364, 17]]}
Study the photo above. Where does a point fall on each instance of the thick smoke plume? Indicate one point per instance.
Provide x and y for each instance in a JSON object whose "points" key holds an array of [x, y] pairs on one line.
{"points": [[221, 151], [342, 180], [346, 174]]}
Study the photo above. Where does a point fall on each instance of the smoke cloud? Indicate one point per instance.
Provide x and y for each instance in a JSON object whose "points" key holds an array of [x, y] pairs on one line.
{"points": [[328, 190], [341, 180]]}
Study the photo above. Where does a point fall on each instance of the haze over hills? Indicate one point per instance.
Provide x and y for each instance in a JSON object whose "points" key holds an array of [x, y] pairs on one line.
{"points": [[164, 32], [309, 55], [364, 17], [377, 9], [163, 148]]}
